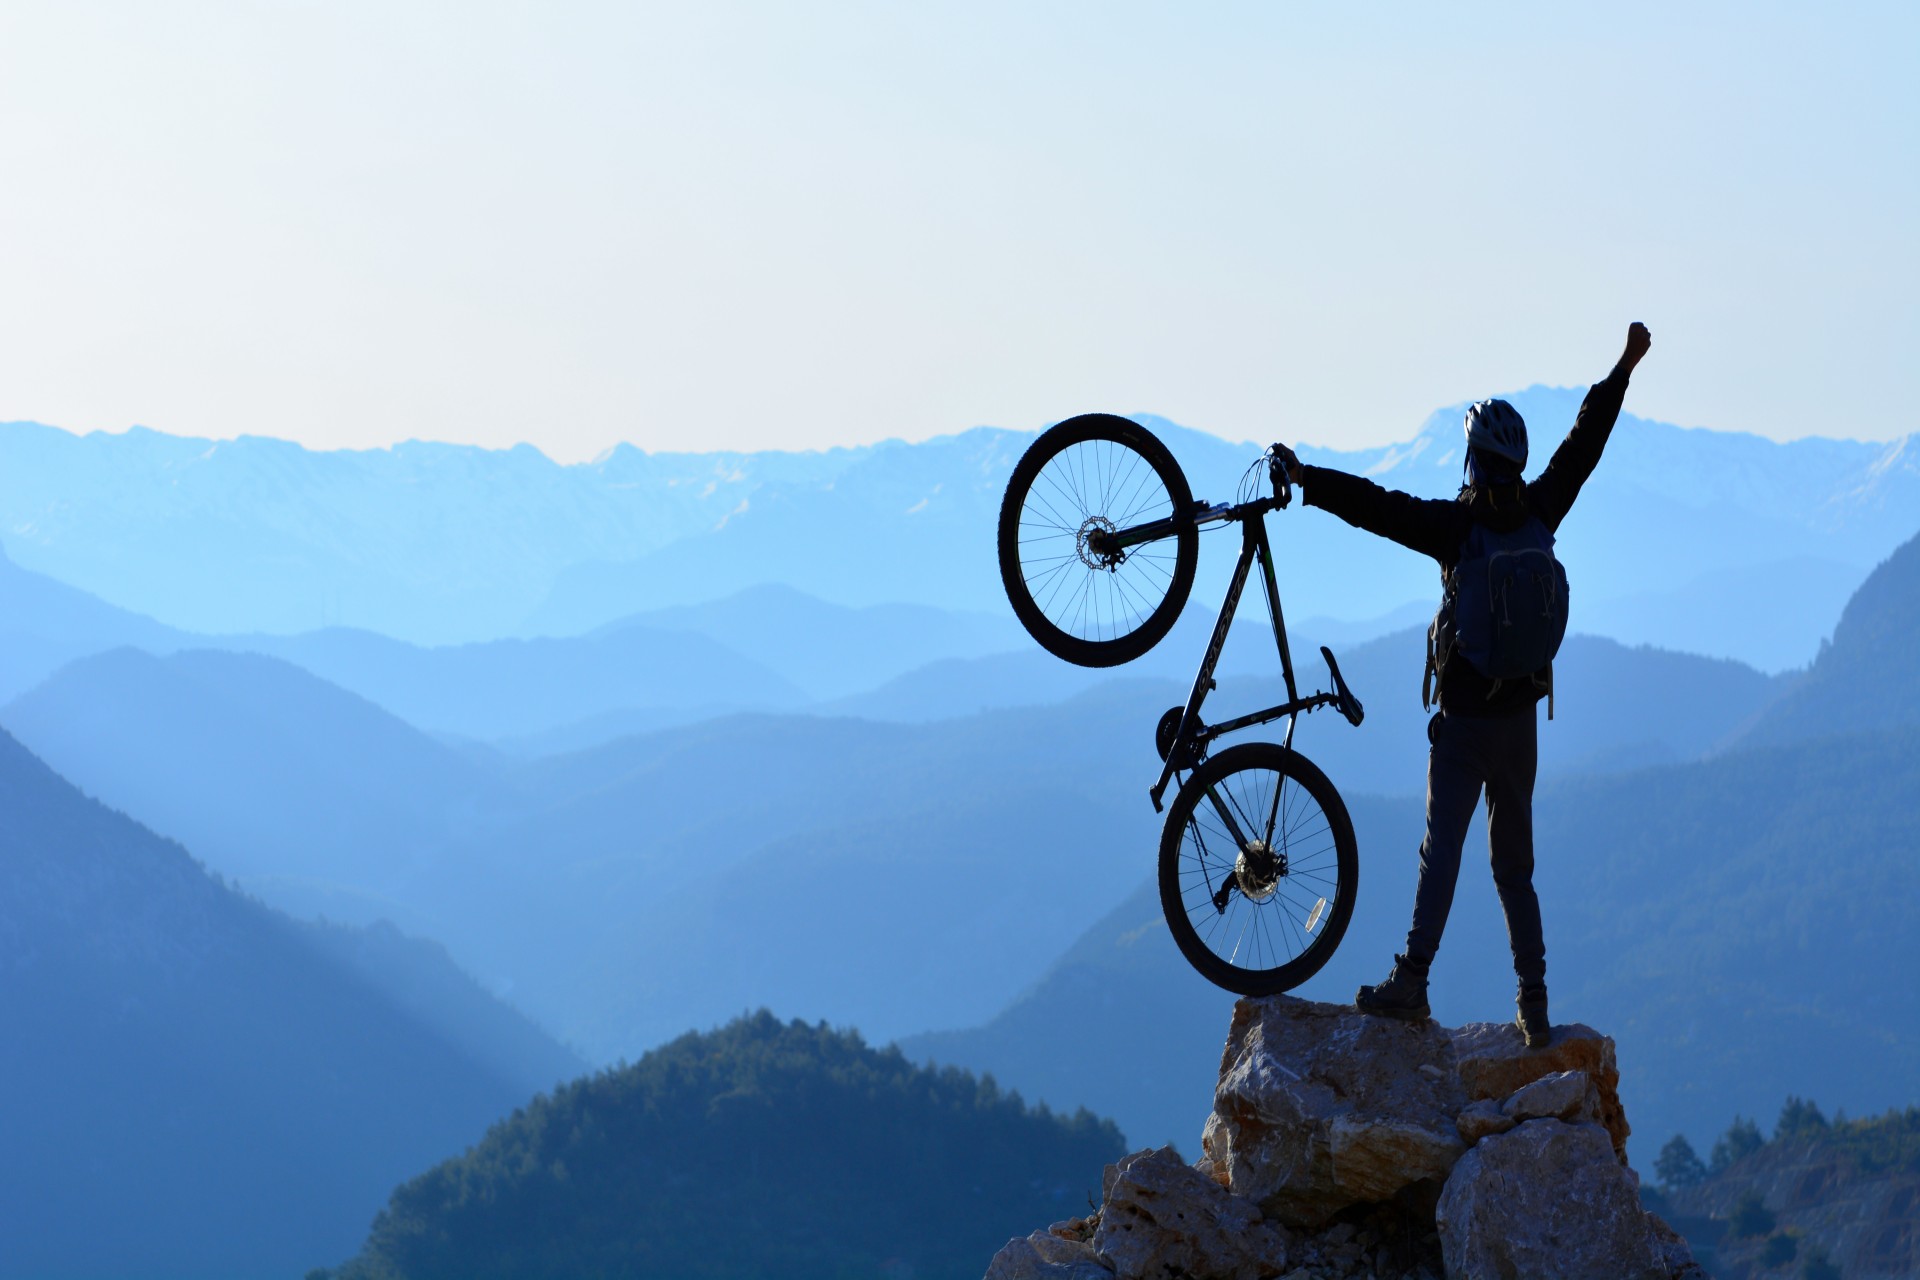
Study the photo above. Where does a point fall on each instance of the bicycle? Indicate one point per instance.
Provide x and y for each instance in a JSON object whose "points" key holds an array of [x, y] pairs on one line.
{"points": [[1098, 540]]}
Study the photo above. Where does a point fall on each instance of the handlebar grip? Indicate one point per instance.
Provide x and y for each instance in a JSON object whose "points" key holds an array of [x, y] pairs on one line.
{"points": [[1277, 472]]}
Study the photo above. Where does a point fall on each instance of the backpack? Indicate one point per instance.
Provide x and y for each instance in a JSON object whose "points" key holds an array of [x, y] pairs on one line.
{"points": [[1504, 608]]}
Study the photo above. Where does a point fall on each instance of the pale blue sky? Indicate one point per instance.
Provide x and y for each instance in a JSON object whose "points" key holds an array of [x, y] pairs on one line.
{"points": [[756, 225]]}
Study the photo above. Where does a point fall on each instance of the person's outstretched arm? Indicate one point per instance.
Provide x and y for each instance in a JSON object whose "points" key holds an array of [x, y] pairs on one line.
{"points": [[1430, 526], [1551, 496]]}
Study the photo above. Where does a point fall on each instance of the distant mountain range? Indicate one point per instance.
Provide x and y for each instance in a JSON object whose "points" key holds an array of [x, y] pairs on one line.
{"points": [[446, 544], [194, 1085], [1867, 678], [956, 849], [766, 648]]}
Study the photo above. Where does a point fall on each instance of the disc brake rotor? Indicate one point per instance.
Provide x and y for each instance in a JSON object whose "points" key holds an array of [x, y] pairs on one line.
{"points": [[1258, 870], [1091, 557]]}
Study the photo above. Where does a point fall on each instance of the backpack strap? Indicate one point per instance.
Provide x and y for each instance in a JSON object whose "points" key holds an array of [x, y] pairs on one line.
{"points": [[1438, 650], [1427, 680]]}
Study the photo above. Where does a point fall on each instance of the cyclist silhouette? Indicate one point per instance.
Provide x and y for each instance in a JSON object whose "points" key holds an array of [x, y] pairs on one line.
{"points": [[1485, 733]]}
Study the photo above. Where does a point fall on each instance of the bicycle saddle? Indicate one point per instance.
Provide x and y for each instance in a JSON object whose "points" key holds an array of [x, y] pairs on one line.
{"points": [[1343, 697]]}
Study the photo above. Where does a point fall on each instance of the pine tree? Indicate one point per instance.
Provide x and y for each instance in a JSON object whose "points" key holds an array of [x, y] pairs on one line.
{"points": [[1742, 1138], [1799, 1119], [1678, 1167]]}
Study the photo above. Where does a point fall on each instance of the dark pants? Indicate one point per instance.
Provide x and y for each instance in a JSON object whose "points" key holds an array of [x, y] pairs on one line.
{"points": [[1499, 753]]}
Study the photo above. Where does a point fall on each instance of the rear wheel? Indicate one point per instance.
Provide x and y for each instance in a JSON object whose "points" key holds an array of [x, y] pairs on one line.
{"points": [[1258, 869], [1081, 597]]}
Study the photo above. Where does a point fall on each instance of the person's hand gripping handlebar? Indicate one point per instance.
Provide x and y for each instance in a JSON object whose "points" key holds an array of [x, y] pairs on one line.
{"points": [[1284, 468]]}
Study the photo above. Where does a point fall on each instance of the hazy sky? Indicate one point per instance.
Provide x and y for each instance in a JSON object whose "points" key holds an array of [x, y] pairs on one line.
{"points": [[794, 225]]}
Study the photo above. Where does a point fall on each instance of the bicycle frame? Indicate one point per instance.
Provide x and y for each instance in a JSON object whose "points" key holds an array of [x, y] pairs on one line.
{"points": [[1193, 736]]}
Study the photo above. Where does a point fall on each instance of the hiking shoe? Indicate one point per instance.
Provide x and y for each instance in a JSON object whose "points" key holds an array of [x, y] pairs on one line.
{"points": [[1403, 995], [1532, 1017]]}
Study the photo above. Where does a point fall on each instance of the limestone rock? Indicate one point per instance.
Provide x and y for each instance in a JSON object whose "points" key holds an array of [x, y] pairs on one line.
{"points": [[1549, 1201], [1482, 1119], [1164, 1219], [1044, 1256], [1496, 1063], [1321, 1106], [1564, 1095]]}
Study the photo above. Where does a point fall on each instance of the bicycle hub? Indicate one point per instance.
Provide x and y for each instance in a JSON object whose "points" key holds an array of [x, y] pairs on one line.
{"points": [[1096, 545], [1258, 870]]}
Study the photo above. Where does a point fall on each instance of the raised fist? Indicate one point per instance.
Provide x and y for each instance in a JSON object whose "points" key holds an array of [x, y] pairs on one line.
{"points": [[1638, 341]]}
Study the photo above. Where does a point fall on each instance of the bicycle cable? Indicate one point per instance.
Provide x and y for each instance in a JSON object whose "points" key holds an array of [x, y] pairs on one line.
{"points": [[1248, 490]]}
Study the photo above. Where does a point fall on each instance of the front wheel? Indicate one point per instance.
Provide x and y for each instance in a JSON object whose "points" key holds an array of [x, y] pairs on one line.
{"points": [[1085, 598], [1258, 869]]}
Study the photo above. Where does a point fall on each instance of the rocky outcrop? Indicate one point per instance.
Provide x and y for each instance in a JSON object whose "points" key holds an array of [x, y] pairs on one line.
{"points": [[1046, 1256], [1495, 1063], [1548, 1201], [1342, 1145], [1320, 1106], [1163, 1217]]}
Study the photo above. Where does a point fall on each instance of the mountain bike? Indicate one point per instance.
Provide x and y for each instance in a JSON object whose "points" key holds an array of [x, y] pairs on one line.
{"points": [[1098, 537]]}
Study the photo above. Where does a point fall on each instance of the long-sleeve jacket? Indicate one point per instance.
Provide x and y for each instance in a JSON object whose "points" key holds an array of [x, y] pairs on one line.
{"points": [[1438, 527]]}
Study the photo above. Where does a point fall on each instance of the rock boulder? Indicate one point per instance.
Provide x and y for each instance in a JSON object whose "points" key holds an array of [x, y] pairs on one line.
{"points": [[1044, 1256], [1163, 1219], [1494, 1062], [1564, 1095], [1481, 1119], [1320, 1107], [1550, 1201]]}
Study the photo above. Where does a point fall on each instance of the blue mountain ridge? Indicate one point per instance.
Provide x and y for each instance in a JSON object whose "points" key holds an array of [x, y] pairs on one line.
{"points": [[630, 890], [195, 1085], [443, 544], [764, 648]]}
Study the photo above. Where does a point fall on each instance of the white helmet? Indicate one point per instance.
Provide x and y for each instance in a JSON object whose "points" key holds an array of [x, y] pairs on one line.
{"points": [[1497, 427]]}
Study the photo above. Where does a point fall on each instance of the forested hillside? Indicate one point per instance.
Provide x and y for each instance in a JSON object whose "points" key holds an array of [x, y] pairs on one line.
{"points": [[1821, 1199], [760, 1149], [194, 1085]]}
